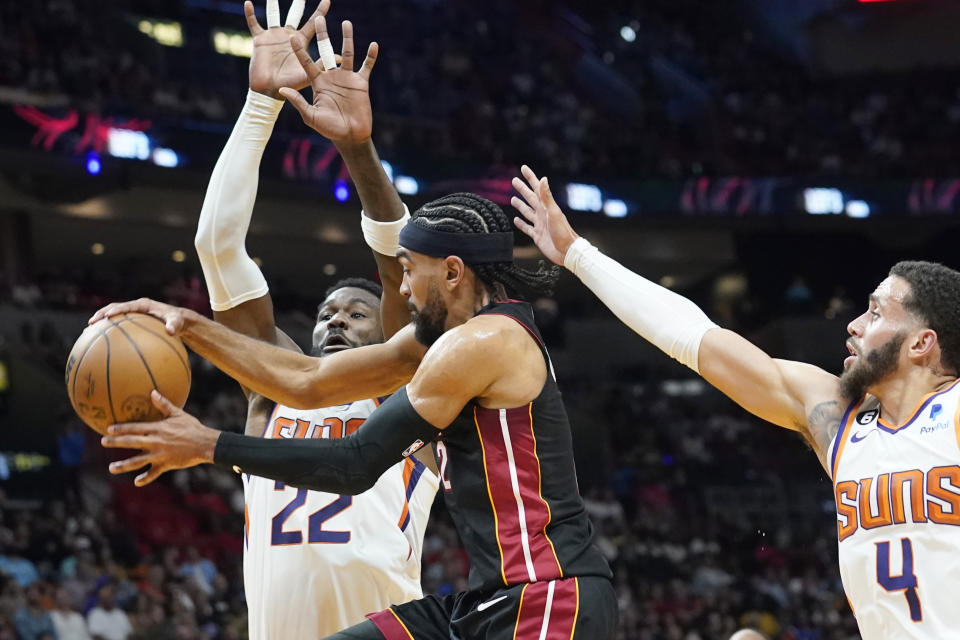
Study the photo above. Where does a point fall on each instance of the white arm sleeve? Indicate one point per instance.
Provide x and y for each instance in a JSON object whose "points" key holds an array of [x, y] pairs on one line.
{"points": [[667, 320], [232, 277]]}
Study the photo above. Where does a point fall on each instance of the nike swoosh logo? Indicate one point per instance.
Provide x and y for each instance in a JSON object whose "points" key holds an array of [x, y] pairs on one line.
{"points": [[857, 437], [489, 603]]}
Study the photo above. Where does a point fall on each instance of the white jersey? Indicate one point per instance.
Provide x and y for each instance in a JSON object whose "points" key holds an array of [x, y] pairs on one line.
{"points": [[897, 491], [315, 562]]}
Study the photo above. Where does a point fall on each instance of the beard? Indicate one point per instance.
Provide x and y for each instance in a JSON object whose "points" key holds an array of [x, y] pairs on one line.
{"points": [[428, 323], [872, 368]]}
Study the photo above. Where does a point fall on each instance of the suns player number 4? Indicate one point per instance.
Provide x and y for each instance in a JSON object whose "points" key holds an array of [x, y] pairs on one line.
{"points": [[906, 581]]}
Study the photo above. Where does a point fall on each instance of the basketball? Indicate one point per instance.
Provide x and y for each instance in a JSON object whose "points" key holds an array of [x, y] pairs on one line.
{"points": [[114, 365]]}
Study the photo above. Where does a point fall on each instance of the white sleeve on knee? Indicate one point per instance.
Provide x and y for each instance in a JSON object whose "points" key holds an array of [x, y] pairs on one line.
{"points": [[667, 320], [232, 276]]}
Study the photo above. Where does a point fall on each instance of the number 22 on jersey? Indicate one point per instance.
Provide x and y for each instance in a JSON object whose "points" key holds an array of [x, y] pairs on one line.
{"points": [[316, 534]]}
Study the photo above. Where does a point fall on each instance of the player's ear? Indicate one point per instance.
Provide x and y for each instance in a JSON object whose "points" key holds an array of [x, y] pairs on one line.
{"points": [[924, 344], [453, 271]]}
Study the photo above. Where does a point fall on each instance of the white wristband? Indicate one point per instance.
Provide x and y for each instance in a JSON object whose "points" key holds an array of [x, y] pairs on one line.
{"points": [[383, 237]]}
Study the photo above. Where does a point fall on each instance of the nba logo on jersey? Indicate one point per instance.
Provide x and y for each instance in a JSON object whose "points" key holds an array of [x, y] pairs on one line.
{"points": [[897, 492], [417, 444]]}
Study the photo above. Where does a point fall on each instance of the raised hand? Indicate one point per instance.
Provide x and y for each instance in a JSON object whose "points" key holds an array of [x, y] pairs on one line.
{"points": [[273, 64], [176, 442], [340, 110], [542, 218]]}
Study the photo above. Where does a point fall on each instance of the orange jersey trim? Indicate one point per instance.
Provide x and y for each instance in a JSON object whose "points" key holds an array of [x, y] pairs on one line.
{"points": [[916, 411], [842, 438]]}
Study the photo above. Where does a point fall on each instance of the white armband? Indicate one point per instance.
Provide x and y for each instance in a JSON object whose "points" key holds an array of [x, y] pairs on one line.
{"points": [[383, 237], [667, 320]]}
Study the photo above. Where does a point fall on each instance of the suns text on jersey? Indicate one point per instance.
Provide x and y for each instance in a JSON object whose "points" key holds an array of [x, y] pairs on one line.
{"points": [[898, 497]]}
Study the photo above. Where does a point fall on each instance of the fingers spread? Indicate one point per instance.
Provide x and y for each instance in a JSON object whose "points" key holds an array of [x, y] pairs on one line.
{"points": [[525, 210], [298, 101], [543, 188], [130, 464], [523, 226], [372, 52], [273, 13], [252, 23], [530, 176], [304, 58], [347, 47], [127, 442], [524, 191], [295, 14], [132, 429], [166, 407], [309, 27], [147, 477], [327, 57]]}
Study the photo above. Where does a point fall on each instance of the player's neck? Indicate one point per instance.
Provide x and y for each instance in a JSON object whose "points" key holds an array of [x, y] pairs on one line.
{"points": [[901, 394], [463, 309]]}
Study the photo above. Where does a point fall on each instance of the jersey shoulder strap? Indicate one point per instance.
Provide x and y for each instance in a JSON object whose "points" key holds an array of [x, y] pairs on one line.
{"points": [[522, 313]]}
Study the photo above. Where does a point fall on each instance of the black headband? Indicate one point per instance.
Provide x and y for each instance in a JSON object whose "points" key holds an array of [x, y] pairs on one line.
{"points": [[472, 248]]}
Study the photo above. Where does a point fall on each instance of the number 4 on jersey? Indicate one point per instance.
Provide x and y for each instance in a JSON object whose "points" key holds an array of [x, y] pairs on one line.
{"points": [[906, 581]]}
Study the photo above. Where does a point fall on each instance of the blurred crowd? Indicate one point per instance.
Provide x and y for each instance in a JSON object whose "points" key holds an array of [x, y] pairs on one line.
{"points": [[689, 90]]}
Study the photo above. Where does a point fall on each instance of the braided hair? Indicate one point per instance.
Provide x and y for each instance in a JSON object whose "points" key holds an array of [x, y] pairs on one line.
{"points": [[470, 213]]}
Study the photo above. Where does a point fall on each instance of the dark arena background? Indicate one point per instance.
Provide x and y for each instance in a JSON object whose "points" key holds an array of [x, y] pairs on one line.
{"points": [[769, 160]]}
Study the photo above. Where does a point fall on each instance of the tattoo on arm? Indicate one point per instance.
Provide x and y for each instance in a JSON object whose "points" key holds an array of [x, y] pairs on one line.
{"points": [[822, 426]]}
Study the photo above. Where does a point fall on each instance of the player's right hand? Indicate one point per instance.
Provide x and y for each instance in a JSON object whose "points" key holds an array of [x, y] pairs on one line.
{"points": [[173, 317], [273, 64], [340, 110], [176, 442], [542, 219]]}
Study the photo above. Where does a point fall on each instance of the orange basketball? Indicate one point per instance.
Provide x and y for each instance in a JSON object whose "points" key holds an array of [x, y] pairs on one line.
{"points": [[116, 362]]}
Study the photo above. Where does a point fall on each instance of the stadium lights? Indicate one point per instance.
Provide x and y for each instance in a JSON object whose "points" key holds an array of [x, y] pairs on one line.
{"points": [[823, 201], [93, 163], [341, 192], [163, 157], [615, 209], [584, 197], [857, 209], [125, 143], [232, 43], [406, 185], [169, 34]]}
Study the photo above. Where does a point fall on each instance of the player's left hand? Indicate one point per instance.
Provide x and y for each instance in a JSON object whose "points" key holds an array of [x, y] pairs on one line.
{"points": [[340, 110], [542, 219], [273, 64], [176, 442]]}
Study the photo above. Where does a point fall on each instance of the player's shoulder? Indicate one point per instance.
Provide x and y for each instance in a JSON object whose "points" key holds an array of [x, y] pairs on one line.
{"points": [[492, 330]]}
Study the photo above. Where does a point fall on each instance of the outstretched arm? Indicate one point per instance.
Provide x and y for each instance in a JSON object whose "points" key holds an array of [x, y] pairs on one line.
{"points": [[288, 377], [341, 112], [238, 290], [790, 394], [459, 369]]}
